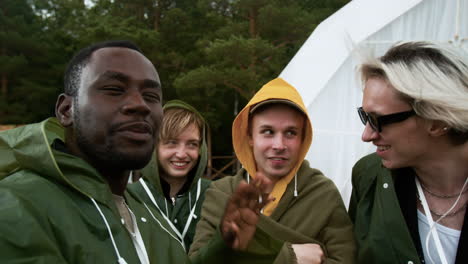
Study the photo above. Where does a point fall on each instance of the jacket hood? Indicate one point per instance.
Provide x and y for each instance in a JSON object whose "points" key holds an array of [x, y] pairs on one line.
{"points": [[151, 171], [29, 148], [277, 89]]}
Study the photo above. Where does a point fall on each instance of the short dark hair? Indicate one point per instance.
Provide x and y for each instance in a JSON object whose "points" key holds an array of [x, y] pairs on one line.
{"points": [[78, 62]]}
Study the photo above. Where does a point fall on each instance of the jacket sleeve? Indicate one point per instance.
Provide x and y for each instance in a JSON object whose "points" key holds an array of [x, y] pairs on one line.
{"points": [[208, 245], [212, 210], [286, 255], [339, 238], [216, 249], [24, 236], [337, 235]]}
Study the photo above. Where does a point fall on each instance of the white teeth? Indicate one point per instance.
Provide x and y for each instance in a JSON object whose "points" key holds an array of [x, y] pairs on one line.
{"points": [[383, 148], [179, 163]]}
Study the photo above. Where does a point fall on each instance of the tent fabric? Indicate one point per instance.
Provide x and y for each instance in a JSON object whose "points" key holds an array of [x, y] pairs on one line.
{"points": [[324, 69]]}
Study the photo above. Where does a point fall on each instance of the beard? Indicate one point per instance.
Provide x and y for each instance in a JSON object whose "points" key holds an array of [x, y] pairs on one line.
{"points": [[107, 155]]}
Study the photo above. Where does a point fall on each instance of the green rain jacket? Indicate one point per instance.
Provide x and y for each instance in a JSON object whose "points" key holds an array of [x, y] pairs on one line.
{"points": [[47, 214], [383, 209], [178, 213]]}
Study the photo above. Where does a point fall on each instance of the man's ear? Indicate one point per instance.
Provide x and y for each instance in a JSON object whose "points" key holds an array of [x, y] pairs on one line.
{"points": [[437, 128], [64, 110], [250, 139]]}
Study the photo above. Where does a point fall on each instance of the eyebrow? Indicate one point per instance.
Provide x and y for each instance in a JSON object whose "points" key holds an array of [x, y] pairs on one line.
{"points": [[113, 75], [287, 128], [151, 84]]}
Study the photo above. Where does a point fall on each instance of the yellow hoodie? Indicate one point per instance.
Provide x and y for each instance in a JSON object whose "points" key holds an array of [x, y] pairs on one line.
{"points": [[275, 89]]}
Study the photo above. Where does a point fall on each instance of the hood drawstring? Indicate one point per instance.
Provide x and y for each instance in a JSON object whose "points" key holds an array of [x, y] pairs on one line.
{"points": [[120, 260], [153, 200], [260, 199], [167, 210], [190, 199], [190, 202], [191, 216], [152, 215], [295, 184]]}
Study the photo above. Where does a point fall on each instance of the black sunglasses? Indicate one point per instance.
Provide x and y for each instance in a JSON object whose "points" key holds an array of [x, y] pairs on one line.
{"points": [[376, 122]]}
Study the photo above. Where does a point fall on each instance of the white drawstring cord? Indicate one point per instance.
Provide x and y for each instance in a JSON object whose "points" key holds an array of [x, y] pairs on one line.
{"points": [[192, 212], [167, 211], [295, 185], [190, 199], [190, 203], [151, 213], [166, 217], [119, 258], [153, 200]]}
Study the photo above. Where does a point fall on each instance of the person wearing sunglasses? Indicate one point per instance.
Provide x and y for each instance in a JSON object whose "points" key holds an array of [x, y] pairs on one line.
{"points": [[409, 198]]}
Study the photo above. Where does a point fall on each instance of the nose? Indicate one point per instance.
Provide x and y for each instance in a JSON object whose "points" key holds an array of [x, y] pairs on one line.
{"points": [[135, 103], [180, 152], [278, 143], [369, 134]]}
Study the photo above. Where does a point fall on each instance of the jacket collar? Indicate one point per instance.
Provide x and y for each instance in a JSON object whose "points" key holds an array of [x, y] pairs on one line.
{"points": [[30, 148]]}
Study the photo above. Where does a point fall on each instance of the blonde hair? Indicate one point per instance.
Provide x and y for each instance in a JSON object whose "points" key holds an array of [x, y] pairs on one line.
{"points": [[432, 78], [175, 120]]}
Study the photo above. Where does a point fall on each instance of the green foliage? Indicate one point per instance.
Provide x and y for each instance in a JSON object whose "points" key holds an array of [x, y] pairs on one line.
{"points": [[214, 54]]}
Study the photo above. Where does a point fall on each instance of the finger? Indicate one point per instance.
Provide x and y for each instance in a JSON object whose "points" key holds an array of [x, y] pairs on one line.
{"points": [[241, 196], [253, 203], [245, 193], [248, 217], [251, 195], [229, 234], [264, 184]]}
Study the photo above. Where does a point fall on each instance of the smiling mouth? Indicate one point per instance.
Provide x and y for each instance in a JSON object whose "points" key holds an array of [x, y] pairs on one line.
{"points": [[277, 158], [277, 161], [383, 148], [180, 164]]}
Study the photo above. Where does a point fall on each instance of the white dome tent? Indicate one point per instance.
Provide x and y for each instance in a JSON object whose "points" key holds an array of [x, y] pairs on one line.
{"points": [[324, 70]]}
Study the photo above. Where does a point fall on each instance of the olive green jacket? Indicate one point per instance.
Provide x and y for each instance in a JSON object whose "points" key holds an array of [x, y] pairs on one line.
{"points": [[383, 209], [379, 225], [316, 215], [178, 212]]}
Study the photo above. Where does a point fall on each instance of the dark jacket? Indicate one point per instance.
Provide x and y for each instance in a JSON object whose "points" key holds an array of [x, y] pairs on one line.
{"points": [[383, 208], [178, 213]]}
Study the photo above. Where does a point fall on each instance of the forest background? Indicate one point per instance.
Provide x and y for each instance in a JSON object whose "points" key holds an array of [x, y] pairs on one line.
{"points": [[213, 54]]}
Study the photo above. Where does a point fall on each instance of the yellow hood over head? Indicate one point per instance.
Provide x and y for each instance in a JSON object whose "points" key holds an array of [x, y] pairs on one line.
{"points": [[277, 89]]}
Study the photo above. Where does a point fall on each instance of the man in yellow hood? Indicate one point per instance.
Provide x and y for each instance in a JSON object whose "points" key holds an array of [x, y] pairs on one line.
{"points": [[271, 136]]}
